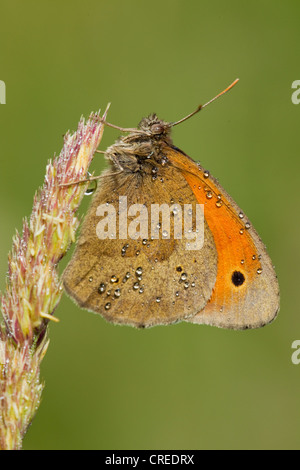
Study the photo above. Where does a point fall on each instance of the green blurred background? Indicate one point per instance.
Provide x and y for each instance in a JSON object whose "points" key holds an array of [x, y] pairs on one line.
{"points": [[182, 386]]}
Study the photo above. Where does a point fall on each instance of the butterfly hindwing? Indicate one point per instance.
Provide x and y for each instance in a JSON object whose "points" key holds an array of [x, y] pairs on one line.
{"points": [[246, 292]]}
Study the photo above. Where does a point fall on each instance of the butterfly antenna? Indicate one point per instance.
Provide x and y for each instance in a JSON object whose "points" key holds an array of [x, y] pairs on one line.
{"points": [[122, 129], [201, 106]]}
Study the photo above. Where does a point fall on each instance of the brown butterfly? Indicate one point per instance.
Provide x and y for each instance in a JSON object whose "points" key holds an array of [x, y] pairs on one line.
{"points": [[147, 280]]}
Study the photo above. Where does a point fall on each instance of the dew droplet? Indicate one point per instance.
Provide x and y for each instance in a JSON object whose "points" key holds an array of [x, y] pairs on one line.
{"points": [[206, 174], [91, 279], [241, 231], [126, 277], [183, 276], [91, 189], [253, 257], [101, 288], [92, 186], [107, 306], [186, 285], [114, 279], [241, 215], [209, 195], [141, 290], [165, 234], [136, 285], [219, 203], [259, 271], [117, 293], [139, 271], [247, 225], [123, 251], [144, 242], [158, 299], [242, 261]]}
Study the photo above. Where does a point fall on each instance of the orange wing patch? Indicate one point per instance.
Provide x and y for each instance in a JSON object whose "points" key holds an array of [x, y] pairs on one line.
{"points": [[245, 273]]}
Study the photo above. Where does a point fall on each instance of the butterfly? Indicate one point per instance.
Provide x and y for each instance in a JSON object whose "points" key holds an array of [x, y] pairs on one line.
{"points": [[145, 280]]}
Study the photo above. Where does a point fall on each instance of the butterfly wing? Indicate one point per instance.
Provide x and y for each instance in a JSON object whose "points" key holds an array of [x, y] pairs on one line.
{"points": [[143, 281], [246, 292]]}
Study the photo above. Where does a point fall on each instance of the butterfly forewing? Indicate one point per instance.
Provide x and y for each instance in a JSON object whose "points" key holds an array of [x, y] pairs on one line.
{"points": [[144, 281]]}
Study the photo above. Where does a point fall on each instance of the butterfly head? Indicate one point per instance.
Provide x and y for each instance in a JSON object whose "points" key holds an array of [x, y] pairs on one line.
{"points": [[154, 127], [141, 149]]}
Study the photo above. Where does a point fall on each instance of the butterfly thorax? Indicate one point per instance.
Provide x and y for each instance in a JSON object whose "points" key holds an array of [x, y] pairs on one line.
{"points": [[142, 149]]}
